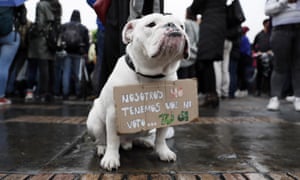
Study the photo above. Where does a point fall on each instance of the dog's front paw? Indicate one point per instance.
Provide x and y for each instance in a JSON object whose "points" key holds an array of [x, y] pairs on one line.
{"points": [[165, 154], [110, 161]]}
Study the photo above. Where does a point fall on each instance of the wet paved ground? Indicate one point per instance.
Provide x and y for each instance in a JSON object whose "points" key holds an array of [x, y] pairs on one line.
{"points": [[240, 140]]}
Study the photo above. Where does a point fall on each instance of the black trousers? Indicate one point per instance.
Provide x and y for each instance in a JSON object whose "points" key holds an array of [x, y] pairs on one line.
{"points": [[206, 77]]}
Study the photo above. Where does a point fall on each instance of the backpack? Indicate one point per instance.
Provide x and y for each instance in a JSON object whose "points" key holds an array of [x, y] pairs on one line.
{"points": [[234, 14], [72, 36], [11, 17], [6, 19], [52, 35]]}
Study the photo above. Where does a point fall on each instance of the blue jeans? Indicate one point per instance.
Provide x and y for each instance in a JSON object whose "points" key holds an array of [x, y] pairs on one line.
{"points": [[71, 66], [32, 73], [58, 70], [233, 64], [9, 45]]}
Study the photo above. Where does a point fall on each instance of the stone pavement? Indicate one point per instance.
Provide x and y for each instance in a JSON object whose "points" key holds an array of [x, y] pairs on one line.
{"points": [[239, 140]]}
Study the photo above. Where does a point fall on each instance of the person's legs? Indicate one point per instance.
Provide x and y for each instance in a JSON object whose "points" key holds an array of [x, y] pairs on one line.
{"points": [[233, 77], [77, 71], [282, 62], [32, 71], [200, 76], [58, 65], [8, 48], [211, 96], [259, 76], [296, 64], [225, 69], [66, 76], [46, 69], [296, 70], [219, 77]]}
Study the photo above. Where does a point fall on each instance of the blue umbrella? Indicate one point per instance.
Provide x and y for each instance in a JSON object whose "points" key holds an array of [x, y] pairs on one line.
{"points": [[11, 2]]}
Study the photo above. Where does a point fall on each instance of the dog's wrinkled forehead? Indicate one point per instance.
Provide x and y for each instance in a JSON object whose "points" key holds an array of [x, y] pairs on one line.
{"points": [[149, 24], [159, 20]]}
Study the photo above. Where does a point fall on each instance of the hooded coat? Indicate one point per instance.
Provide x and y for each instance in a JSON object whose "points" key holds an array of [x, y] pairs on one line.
{"points": [[46, 11], [213, 28], [75, 21]]}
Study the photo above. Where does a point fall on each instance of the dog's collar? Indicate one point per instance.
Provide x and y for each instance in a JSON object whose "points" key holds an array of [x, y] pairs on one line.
{"points": [[131, 65]]}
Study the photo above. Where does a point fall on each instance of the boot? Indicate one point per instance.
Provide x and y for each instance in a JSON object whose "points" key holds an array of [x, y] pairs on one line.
{"points": [[211, 100]]}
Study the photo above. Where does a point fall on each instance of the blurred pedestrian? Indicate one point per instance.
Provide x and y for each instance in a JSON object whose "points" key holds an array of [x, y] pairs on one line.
{"points": [[285, 43], [48, 12], [9, 44], [263, 56], [210, 45], [75, 40], [222, 71], [99, 54], [187, 66], [235, 56], [17, 86], [245, 65], [233, 38], [117, 16]]}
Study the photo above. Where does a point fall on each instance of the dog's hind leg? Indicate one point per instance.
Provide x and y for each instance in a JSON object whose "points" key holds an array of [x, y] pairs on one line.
{"points": [[101, 140], [161, 147]]}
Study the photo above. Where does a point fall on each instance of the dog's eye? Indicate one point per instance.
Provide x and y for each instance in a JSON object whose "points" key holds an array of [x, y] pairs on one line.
{"points": [[152, 24], [182, 27]]}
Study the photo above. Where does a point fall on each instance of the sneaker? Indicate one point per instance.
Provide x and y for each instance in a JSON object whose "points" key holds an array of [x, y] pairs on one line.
{"points": [[290, 98], [4, 101], [29, 96], [273, 104], [297, 103]]}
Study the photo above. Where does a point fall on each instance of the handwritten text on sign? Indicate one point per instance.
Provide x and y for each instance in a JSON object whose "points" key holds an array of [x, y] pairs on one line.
{"points": [[154, 105]]}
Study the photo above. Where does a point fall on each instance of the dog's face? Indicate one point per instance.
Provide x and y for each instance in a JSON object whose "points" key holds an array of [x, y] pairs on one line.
{"points": [[156, 43]]}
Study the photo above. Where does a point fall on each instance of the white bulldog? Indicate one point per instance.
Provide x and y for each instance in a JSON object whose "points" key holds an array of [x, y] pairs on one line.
{"points": [[155, 44]]}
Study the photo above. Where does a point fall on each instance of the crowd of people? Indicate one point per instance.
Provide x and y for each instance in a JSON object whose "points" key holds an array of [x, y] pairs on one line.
{"points": [[224, 61]]}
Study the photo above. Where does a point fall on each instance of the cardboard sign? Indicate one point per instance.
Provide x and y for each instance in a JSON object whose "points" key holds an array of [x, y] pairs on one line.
{"points": [[155, 105]]}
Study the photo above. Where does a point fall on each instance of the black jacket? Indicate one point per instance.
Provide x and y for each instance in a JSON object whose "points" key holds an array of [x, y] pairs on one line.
{"points": [[212, 28]]}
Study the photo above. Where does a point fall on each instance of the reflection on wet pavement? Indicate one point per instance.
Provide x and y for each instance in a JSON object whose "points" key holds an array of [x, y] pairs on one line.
{"points": [[240, 137]]}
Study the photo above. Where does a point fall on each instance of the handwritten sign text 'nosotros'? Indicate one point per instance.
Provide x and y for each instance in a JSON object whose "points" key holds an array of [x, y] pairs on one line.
{"points": [[155, 105]]}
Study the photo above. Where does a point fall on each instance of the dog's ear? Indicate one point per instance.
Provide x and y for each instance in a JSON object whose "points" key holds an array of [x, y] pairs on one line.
{"points": [[128, 31]]}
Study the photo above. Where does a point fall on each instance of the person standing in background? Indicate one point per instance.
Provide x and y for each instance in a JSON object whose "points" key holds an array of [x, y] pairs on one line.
{"points": [[117, 16], [113, 46], [245, 65], [9, 44], [16, 86], [187, 66], [263, 55], [210, 46], [47, 11], [235, 56], [75, 39], [99, 54], [285, 43]]}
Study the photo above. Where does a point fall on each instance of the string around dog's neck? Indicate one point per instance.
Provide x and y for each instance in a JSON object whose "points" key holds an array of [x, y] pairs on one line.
{"points": [[131, 65]]}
